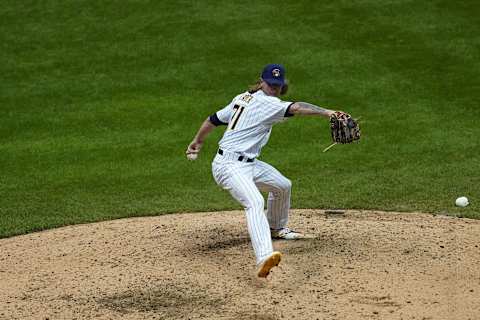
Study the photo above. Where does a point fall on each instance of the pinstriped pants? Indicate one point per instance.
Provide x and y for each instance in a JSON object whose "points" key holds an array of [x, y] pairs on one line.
{"points": [[244, 181]]}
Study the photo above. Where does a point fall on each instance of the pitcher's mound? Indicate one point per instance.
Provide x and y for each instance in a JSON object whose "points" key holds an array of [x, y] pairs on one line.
{"points": [[353, 265]]}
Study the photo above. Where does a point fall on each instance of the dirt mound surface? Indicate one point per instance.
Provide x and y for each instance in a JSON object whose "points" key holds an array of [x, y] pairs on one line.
{"points": [[359, 265]]}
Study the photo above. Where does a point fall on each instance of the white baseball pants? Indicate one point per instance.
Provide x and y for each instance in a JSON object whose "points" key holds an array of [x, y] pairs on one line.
{"points": [[244, 180]]}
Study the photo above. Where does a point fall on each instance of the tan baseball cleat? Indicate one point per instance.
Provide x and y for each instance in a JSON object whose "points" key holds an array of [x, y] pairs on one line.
{"points": [[271, 261]]}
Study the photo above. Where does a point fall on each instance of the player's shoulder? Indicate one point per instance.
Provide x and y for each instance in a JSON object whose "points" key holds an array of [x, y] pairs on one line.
{"points": [[259, 96], [243, 98], [266, 99], [238, 96]]}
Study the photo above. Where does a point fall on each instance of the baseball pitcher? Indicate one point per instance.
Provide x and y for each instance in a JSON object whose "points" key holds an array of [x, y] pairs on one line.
{"points": [[249, 118]]}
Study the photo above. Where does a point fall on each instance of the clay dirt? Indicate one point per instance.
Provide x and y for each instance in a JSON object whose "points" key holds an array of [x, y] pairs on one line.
{"points": [[357, 265]]}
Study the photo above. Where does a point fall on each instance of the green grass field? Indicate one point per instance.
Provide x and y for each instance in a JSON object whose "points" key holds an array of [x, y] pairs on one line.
{"points": [[99, 99]]}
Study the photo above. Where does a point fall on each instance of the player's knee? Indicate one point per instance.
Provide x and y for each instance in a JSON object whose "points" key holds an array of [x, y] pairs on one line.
{"points": [[286, 185], [257, 203]]}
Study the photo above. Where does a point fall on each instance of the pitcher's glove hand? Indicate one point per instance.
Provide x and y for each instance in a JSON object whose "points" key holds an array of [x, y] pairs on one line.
{"points": [[344, 128]]}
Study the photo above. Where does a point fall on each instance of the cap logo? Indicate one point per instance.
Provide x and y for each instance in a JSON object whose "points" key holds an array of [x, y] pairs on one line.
{"points": [[276, 73]]}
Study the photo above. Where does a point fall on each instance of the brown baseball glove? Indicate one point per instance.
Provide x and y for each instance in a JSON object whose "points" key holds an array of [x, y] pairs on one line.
{"points": [[344, 128]]}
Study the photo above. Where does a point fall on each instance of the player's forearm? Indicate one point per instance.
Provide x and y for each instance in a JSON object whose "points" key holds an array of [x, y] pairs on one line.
{"points": [[204, 131], [308, 109]]}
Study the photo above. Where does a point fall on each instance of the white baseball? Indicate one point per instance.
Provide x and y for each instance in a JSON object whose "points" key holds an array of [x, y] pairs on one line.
{"points": [[461, 202], [192, 156]]}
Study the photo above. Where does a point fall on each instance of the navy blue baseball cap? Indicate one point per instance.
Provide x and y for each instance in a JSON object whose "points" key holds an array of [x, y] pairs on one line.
{"points": [[274, 74]]}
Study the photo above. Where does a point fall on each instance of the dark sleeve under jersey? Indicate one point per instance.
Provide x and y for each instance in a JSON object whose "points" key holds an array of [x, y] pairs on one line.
{"points": [[215, 121]]}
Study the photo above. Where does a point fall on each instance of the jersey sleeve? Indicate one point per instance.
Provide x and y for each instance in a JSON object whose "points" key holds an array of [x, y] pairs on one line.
{"points": [[280, 109], [222, 117]]}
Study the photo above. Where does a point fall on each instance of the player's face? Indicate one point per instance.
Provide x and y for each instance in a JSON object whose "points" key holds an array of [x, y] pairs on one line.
{"points": [[277, 90], [273, 90]]}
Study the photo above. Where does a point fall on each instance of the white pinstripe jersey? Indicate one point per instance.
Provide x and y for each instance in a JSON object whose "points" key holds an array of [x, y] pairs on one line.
{"points": [[250, 118]]}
